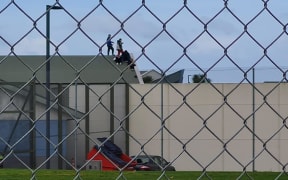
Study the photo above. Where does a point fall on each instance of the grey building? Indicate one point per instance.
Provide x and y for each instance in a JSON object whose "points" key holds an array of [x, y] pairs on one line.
{"points": [[23, 106]]}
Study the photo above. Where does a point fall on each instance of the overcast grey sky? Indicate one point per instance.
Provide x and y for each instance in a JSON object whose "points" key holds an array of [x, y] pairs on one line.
{"points": [[143, 30]]}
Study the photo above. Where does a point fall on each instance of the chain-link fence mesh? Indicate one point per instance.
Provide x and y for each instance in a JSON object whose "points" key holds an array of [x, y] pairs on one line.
{"points": [[46, 123]]}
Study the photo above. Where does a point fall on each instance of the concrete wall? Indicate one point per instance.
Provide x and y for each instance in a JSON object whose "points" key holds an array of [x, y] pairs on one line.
{"points": [[206, 126], [200, 120]]}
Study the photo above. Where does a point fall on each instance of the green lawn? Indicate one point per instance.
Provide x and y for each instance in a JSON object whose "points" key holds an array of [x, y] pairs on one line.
{"points": [[15, 174]]}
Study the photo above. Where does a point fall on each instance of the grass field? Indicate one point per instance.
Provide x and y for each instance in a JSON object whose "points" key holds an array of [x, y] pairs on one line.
{"points": [[19, 174]]}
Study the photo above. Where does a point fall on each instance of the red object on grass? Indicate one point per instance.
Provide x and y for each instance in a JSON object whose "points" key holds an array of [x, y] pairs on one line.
{"points": [[110, 159]]}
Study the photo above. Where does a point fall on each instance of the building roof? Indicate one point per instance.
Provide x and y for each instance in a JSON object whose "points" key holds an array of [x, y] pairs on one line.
{"points": [[176, 77], [65, 69], [152, 73]]}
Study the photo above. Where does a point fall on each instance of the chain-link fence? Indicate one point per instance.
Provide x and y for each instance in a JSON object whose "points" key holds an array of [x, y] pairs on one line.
{"points": [[65, 103]]}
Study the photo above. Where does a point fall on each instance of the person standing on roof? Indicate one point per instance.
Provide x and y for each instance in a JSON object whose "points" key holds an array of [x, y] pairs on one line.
{"points": [[109, 45], [119, 47]]}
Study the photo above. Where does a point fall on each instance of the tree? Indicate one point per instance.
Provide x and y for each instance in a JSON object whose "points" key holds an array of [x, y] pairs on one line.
{"points": [[147, 79], [200, 78]]}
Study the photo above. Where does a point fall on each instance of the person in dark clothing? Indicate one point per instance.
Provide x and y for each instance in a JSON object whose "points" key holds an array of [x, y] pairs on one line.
{"points": [[118, 60], [110, 45], [127, 58]]}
